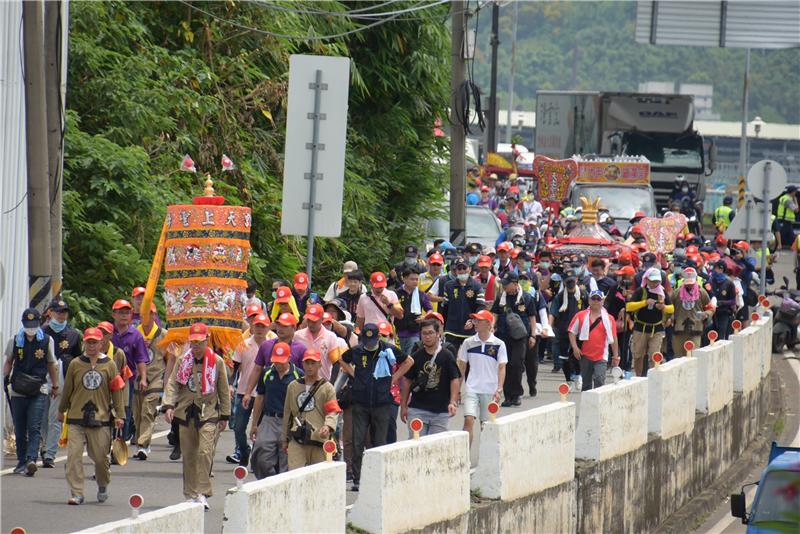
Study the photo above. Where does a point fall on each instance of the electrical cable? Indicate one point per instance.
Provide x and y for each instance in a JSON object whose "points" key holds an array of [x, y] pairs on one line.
{"points": [[468, 91], [367, 16], [297, 37]]}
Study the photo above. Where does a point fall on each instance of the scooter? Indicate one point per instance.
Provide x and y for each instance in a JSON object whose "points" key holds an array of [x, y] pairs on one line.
{"points": [[787, 318]]}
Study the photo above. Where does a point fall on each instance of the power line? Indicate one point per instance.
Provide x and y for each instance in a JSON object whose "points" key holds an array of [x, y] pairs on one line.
{"points": [[297, 37], [350, 14]]}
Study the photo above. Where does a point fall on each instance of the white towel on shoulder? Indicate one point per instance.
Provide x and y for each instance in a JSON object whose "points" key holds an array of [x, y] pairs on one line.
{"points": [[416, 308], [583, 335]]}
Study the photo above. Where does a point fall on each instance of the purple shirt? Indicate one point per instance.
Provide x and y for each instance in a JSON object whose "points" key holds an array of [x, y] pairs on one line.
{"points": [[265, 351], [132, 344]]}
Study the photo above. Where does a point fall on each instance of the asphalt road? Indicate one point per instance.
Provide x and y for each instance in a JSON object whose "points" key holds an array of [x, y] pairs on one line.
{"points": [[39, 504]]}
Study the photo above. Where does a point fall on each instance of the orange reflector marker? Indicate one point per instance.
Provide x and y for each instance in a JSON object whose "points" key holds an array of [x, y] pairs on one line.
{"points": [[416, 427], [493, 408], [712, 336], [688, 347], [240, 473], [136, 501], [657, 358], [563, 389], [330, 449], [737, 325]]}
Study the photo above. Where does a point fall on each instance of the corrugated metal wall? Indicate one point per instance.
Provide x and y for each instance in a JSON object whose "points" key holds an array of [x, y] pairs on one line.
{"points": [[13, 180], [13, 173]]}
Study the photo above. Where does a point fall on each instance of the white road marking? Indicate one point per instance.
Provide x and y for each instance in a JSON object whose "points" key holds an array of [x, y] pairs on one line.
{"points": [[63, 458]]}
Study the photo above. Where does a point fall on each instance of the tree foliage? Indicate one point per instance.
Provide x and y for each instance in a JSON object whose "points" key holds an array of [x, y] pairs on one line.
{"points": [[590, 46], [149, 82]]}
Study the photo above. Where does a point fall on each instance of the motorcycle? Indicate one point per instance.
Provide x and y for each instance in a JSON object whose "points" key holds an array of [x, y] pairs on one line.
{"points": [[786, 318]]}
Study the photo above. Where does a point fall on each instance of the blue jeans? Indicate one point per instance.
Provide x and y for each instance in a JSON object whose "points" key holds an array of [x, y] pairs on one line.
{"points": [[28, 413], [391, 431], [407, 343], [128, 430], [240, 420]]}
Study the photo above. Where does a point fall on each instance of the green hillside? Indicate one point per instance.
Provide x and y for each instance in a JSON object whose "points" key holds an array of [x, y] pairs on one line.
{"points": [[591, 46]]}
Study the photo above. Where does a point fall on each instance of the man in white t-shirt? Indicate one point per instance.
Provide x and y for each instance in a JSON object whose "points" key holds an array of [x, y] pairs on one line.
{"points": [[487, 358]]}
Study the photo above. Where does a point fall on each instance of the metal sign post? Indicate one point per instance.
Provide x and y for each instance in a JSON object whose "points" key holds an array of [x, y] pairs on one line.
{"points": [[765, 236], [315, 147]]}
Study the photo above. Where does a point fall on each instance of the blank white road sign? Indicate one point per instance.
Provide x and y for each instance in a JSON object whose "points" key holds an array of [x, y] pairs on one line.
{"points": [[332, 141]]}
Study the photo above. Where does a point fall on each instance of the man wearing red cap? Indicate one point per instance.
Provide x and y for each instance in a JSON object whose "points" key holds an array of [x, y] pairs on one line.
{"points": [[310, 414], [486, 278], [266, 430], [244, 360], [285, 326], [316, 336], [301, 291], [198, 398], [378, 305], [431, 282], [93, 402], [137, 296], [131, 341]]}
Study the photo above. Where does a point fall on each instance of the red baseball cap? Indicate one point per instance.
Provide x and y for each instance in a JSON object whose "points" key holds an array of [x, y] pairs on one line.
{"points": [[485, 188], [504, 246], [93, 333], [261, 319], [287, 319], [636, 229], [637, 215], [301, 281], [106, 327], [385, 328], [312, 354], [280, 353], [515, 253], [327, 317], [283, 294], [436, 259], [254, 309], [721, 239], [484, 261], [138, 291], [314, 312], [198, 332], [120, 304], [377, 279], [434, 315], [483, 315], [626, 271]]}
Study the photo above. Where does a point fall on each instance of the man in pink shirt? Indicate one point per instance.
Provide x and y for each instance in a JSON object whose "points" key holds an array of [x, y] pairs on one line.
{"points": [[378, 305], [316, 336], [244, 358]]}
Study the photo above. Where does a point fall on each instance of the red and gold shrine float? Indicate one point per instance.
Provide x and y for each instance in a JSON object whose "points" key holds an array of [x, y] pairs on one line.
{"points": [[588, 238]]}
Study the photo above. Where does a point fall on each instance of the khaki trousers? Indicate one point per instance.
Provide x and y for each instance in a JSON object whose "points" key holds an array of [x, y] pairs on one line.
{"points": [[197, 448], [144, 416], [679, 338], [643, 345], [97, 442], [303, 455]]}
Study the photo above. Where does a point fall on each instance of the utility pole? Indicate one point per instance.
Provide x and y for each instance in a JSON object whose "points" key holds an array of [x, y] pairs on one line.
{"points": [[513, 69], [743, 139], [52, 45], [458, 223], [491, 137], [39, 251]]}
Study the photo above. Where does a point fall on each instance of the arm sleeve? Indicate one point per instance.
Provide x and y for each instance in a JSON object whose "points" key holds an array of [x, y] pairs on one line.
{"points": [[118, 396], [637, 302], [171, 389], [668, 307], [67, 393], [223, 390], [331, 408]]}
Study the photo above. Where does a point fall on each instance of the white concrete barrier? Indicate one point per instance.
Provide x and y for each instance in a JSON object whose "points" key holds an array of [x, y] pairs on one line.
{"points": [[764, 324], [671, 397], [543, 437], [412, 484], [309, 499], [714, 376], [747, 358], [612, 420], [184, 518]]}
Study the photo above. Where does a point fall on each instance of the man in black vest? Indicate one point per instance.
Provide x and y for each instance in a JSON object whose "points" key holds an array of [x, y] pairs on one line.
{"points": [[66, 346], [29, 358]]}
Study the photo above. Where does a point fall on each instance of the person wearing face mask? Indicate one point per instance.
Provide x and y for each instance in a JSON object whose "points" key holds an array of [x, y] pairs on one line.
{"points": [[29, 360], [485, 278], [431, 282], [723, 293], [649, 305], [503, 262], [471, 253], [67, 346], [692, 303], [681, 190], [411, 259], [463, 296], [569, 300]]}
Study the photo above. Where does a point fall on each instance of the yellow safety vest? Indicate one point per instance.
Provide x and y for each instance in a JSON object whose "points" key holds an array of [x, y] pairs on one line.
{"points": [[784, 213], [722, 217]]}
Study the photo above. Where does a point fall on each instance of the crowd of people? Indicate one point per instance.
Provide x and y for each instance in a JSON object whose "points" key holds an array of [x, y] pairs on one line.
{"points": [[454, 326]]}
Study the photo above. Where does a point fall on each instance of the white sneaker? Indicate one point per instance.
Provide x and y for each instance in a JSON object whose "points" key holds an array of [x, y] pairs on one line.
{"points": [[142, 453], [202, 500], [578, 384]]}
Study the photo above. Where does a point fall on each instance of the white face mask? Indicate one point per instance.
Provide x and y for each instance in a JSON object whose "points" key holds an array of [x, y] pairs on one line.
{"points": [[31, 331]]}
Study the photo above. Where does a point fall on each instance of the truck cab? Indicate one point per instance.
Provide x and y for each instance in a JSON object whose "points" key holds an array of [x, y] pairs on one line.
{"points": [[776, 506]]}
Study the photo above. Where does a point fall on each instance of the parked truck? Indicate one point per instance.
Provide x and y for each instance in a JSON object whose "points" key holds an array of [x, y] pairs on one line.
{"points": [[658, 127]]}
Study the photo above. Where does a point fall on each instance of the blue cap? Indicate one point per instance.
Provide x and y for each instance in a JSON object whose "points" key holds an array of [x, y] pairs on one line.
{"points": [[597, 293]]}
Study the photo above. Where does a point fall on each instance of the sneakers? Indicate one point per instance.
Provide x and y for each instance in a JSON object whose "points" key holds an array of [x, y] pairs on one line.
{"points": [[202, 500], [76, 500], [578, 384], [20, 468], [48, 463], [354, 487], [102, 494], [175, 454], [30, 468], [142, 453], [233, 458]]}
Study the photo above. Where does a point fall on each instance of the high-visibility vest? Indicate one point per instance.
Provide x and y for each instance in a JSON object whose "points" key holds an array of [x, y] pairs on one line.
{"points": [[784, 213], [722, 217]]}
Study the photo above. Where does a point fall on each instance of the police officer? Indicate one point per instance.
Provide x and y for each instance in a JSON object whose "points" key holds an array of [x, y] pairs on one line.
{"points": [[66, 346], [463, 296], [723, 215], [268, 456], [787, 214], [198, 397], [29, 359], [92, 400], [145, 401]]}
